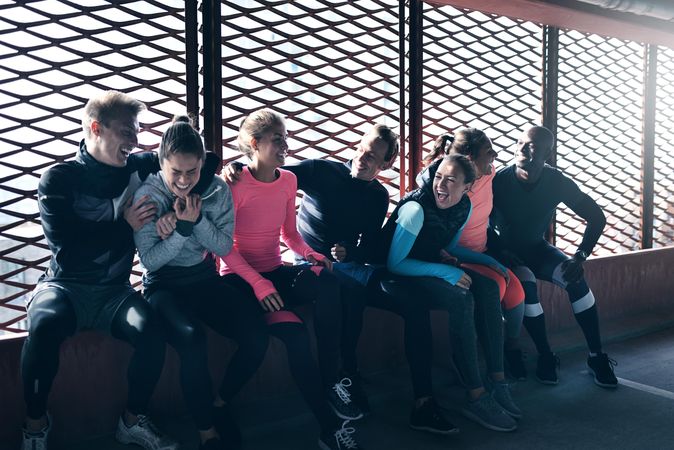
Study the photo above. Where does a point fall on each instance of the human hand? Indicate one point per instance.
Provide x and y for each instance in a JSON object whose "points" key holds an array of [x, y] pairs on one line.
{"points": [[447, 258], [189, 208], [572, 270], [232, 172], [139, 213], [319, 260], [166, 224], [338, 252], [272, 302], [465, 281]]}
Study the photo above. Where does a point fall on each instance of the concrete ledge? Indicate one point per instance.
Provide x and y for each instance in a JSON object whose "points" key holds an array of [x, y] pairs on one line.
{"points": [[635, 294]]}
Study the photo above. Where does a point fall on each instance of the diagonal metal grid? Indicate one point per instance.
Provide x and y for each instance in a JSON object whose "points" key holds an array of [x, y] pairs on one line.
{"points": [[54, 55], [663, 214], [480, 71], [599, 135], [330, 67]]}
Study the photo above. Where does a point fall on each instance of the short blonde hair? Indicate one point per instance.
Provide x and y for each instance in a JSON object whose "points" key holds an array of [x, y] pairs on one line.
{"points": [[256, 125], [108, 106]]}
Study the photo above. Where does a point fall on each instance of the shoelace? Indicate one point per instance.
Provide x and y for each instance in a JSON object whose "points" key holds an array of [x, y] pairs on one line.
{"points": [[145, 422], [344, 435], [342, 392]]}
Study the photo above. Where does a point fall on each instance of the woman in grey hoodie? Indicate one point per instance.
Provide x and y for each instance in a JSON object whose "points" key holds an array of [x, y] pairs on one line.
{"points": [[181, 282]]}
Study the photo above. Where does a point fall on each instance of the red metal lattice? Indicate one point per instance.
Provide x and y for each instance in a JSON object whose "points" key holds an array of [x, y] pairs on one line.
{"points": [[53, 56], [481, 71], [599, 135], [663, 215], [330, 67]]}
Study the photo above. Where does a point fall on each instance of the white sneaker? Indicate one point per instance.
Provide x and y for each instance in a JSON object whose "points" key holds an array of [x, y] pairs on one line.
{"points": [[36, 440], [145, 434]]}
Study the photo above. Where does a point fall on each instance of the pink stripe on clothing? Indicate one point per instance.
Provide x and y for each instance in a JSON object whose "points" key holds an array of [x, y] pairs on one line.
{"points": [[474, 235], [265, 213], [281, 317]]}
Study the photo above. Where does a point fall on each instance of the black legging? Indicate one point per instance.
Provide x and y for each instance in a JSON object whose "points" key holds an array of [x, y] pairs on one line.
{"points": [[229, 313], [303, 368], [386, 291], [301, 284], [52, 320]]}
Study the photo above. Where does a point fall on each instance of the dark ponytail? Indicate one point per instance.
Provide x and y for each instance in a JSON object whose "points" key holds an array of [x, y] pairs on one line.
{"points": [[181, 137]]}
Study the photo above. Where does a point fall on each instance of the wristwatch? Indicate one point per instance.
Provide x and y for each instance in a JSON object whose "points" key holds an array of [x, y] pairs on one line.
{"points": [[582, 255]]}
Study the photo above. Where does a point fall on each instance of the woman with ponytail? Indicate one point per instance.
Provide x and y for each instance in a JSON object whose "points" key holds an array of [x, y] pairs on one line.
{"points": [[471, 249], [182, 284]]}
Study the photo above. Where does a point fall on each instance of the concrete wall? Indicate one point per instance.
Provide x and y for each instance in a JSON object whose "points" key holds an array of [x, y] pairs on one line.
{"points": [[90, 388]]}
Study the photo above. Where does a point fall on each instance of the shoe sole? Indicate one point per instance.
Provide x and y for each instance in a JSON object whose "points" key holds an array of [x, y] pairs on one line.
{"points": [[344, 416], [512, 414], [548, 382], [599, 383], [435, 430], [477, 419]]}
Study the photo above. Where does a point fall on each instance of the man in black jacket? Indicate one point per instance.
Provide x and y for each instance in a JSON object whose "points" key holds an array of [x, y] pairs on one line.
{"points": [[526, 196], [88, 220]]}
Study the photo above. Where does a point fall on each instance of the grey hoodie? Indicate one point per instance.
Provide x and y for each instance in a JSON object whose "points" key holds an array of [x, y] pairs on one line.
{"points": [[212, 233]]}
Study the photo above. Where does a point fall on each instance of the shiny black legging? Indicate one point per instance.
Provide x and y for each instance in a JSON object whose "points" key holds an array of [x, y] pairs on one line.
{"points": [[229, 313], [52, 320], [306, 284], [304, 370]]}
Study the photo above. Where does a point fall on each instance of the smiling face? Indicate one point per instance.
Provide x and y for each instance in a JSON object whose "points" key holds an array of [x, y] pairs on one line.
{"points": [[449, 185], [485, 159], [112, 143], [181, 172], [370, 158], [271, 149], [533, 148]]}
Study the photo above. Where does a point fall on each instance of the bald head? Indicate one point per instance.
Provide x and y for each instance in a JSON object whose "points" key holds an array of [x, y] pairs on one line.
{"points": [[533, 148], [541, 137]]}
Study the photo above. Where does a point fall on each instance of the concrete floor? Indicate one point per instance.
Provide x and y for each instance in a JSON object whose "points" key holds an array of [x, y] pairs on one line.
{"points": [[574, 414]]}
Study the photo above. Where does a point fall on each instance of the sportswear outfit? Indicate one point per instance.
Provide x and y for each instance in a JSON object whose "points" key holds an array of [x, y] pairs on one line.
{"points": [[265, 214], [182, 284], [521, 216]]}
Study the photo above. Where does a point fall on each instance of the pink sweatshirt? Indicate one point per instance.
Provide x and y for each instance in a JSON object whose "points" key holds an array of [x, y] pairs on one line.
{"points": [[264, 213], [474, 236]]}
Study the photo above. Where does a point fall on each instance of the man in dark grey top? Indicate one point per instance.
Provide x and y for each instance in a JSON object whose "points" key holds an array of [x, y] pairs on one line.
{"points": [[526, 196]]}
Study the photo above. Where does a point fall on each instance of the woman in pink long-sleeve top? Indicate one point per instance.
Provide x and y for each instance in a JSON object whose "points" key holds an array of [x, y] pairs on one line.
{"points": [[264, 202]]}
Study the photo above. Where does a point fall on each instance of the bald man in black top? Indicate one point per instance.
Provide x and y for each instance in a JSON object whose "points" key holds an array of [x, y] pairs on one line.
{"points": [[526, 196]]}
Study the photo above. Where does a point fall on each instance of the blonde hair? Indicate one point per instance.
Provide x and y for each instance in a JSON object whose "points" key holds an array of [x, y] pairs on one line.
{"points": [[256, 125], [108, 106]]}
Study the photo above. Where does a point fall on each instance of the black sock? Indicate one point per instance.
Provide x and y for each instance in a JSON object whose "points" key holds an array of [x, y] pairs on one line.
{"points": [[589, 323], [536, 328]]}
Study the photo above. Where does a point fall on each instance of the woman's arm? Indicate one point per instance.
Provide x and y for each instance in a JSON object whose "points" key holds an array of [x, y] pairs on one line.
{"points": [[215, 230], [409, 224], [154, 252]]}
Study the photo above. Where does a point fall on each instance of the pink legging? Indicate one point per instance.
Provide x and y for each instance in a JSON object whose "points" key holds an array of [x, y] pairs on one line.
{"points": [[511, 294]]}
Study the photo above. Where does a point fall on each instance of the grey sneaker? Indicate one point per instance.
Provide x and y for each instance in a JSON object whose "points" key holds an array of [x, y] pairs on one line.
{"points": [[36, 440], [500, 390], [145, 434], [339, 439], [488, 413], [340, 401]]}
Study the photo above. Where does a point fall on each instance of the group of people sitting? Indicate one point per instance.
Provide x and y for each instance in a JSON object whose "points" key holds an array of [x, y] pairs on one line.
{"points": [[468, 240]]}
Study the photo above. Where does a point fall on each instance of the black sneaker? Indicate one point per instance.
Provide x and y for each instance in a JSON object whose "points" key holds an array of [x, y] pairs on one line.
{"points": [[226, 426], [514, 364], [546, 369], [340, 401], [339, 439], [428, 417], [602, 368], [358, 394]]}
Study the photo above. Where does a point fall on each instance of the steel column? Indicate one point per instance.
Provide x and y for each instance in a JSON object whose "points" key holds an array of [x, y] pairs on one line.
{"points": [[648, 144]]}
